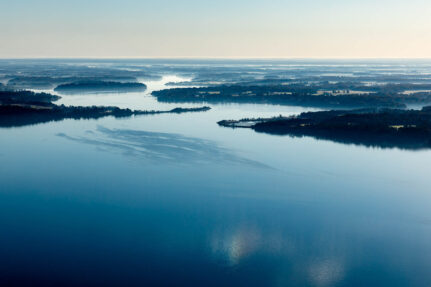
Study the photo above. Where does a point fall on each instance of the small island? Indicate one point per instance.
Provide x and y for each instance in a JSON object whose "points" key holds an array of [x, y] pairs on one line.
{"points": [[20, 108], [26, 97], [100, 87], [385, 128]]}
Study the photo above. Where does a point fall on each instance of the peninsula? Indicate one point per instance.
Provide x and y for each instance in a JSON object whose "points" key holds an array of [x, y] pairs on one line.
{"points": [[385, 128], [20, 108]]}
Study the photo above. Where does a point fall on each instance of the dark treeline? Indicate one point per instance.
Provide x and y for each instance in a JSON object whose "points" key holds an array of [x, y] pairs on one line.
{"points": [[103, 86], [386, 128], [49, 82], [28, 97], [17, 115], [40, 74], [297, 94], [20, 108], [21, 115]]}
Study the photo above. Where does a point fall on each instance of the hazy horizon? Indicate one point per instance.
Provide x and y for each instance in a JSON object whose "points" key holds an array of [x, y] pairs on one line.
{"points": [[329, 29], [222, 58]]}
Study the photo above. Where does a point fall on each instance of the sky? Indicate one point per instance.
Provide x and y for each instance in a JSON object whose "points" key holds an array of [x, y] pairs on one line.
{"points": [[215, 29]]}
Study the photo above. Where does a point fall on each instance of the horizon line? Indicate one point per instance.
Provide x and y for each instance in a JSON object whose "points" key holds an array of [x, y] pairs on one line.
{"points": [[214, 58]]}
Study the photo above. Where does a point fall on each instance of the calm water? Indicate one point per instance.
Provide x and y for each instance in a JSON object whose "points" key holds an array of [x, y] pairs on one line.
{"points": [[175, 200]]}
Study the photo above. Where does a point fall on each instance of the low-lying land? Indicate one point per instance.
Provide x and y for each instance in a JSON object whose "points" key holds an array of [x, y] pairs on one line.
{"points": [[20, 108], [100, 87], [386, 128], [28, 97], [323, 95]]}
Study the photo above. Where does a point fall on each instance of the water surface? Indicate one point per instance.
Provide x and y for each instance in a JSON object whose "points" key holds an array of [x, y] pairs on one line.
{"points": [[176, 200]]}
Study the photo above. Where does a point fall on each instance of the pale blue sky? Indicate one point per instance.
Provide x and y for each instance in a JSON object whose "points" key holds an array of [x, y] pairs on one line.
{"points": [[221, 29]]}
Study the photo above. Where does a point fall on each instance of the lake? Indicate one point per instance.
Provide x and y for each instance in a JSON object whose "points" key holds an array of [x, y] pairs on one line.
{"points": [[176, 200]]}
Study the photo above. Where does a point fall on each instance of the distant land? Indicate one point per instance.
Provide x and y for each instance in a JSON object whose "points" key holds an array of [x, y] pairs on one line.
{"points": [[26, 97], [20, 108], [50, 82], [324, 95], [101, 87], [385, 128]]}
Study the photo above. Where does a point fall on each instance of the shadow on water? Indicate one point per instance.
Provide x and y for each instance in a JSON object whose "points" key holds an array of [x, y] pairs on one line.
{"points": [[157, 147]]}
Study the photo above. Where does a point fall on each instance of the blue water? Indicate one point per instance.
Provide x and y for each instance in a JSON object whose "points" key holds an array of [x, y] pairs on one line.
{"points": [[176, 200]]}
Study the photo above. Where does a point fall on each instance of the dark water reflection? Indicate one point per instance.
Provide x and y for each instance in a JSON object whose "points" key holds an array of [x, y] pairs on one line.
{"points": [[160, 147]]}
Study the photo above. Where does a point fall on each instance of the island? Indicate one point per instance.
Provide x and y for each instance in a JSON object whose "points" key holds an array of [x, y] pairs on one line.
{"points": [[26, 97], [100, 87], [20, 108], [322, 95], [385, 128]]}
